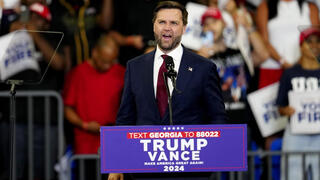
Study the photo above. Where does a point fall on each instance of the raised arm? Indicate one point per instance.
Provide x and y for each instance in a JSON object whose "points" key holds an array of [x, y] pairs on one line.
{"points": [[105, 18], [314, 14], [259, 48], [262, 25]]}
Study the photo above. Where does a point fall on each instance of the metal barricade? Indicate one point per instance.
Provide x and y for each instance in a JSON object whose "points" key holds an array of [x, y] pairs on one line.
{"points": [[80, 159], [253, 173], [30, 95]]}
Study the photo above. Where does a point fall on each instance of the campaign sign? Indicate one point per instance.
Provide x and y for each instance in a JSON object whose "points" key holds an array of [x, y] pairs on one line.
{"points": [[306, 119], [179, 148], [265, 111], [16, 54], [10, 4], [192, 37]]}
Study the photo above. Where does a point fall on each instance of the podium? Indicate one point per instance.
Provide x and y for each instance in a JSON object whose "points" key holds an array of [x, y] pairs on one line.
{"points": [[178, 148]]}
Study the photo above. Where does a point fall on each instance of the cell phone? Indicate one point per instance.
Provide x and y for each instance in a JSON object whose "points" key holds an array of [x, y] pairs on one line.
{"points": [[207, 38]]}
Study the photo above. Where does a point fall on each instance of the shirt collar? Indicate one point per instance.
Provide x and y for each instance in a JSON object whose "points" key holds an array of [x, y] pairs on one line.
{"points": [[176, 53]]}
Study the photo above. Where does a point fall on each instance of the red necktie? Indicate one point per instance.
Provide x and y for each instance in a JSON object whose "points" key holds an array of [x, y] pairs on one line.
{"points": [[162, 97]]}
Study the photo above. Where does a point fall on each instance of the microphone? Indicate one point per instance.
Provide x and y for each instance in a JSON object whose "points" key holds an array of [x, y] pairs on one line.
{"points": [[171, 73], [169, 62]]}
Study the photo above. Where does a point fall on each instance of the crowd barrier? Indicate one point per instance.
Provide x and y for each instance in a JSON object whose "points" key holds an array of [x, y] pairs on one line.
{"points": [[262, 165], [47, 96]]}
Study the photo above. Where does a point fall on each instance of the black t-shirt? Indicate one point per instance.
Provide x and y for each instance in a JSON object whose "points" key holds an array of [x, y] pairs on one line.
{"points": [[297, 79], [233, 74], [234, 77]]}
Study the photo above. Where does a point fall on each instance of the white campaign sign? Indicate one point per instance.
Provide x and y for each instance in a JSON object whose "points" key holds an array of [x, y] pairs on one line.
{"points": [[262, 103], [10, 4], [192, 37], [306, 119], [16, 54]]}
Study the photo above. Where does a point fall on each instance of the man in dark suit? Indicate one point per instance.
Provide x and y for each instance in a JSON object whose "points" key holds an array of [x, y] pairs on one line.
{"points": [[144, 100]]}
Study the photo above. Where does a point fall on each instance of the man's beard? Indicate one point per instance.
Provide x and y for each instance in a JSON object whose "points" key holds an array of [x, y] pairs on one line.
{"points": [[173, 45]]}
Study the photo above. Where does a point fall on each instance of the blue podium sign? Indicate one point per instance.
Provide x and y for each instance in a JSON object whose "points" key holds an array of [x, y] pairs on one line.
{"points": [[183, 148]]}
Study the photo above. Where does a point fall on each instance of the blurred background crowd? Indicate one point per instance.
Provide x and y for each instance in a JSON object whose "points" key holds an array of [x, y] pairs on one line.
{"points": [[252, 43]]}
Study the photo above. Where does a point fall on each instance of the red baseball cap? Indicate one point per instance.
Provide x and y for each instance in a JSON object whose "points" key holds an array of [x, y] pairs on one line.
{"points": [[41, 10], [308, 32], [212, 13]]}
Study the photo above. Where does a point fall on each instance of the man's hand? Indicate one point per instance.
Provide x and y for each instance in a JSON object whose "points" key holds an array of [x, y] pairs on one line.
{"points": [[93, 127], [17, 25], [244, 19], [286, 111], [135, 40], [286, 65], [31, 26], [206, 51], [115, 176]]}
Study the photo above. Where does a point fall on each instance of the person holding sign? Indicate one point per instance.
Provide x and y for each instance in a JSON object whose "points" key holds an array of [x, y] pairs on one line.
{"points": [[45, 44], [302, 77], [231, 64], [144, 101]]}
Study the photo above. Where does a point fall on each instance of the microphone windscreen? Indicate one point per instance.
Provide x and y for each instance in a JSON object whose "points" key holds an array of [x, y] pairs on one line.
{"points": [[169, 62]]}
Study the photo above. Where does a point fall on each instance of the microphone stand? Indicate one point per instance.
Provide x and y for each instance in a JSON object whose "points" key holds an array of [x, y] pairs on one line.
{"points": [[13, 84], [172, 75], [165, 77]]}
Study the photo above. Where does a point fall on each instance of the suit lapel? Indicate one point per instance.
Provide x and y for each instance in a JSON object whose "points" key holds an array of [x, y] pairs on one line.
{"points": [[185, 71], [184, 76], [149, 82]]}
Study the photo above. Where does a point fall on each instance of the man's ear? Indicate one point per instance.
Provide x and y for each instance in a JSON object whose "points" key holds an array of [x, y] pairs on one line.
{"points": [[154, 24]]}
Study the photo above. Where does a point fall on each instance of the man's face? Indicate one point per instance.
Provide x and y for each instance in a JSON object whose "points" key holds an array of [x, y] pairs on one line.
{"points": [[230, 6], [39, 22], [214, 25], [104, 57], [168, 28], [311, 46]]}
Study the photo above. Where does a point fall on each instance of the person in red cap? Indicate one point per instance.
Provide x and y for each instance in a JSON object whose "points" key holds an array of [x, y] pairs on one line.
{"points": [[231, 64], [41, 10], [302, 77], [212, 20], [277, 21], [38, 22]]}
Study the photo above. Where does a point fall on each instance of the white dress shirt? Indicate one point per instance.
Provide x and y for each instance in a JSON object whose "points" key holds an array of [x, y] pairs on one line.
{"points": [[176, 54]]}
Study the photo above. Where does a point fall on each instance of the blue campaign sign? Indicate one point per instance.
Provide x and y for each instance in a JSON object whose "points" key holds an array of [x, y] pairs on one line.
{"points": [[183, 148]]}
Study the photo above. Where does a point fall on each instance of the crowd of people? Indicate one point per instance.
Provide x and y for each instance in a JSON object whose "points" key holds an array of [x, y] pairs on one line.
{"points": [[251, 46]]}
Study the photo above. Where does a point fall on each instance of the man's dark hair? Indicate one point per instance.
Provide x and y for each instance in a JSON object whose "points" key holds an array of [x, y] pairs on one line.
{"points": [[171, 5]]}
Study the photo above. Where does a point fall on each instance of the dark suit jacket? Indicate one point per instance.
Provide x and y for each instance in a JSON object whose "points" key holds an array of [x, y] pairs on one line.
{"points": [[199, 102]]}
